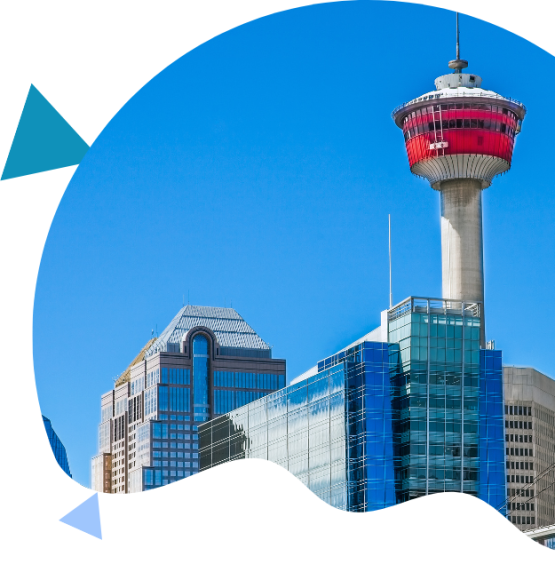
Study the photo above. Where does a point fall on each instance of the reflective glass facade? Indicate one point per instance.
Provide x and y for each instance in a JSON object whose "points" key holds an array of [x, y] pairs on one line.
{"points": [[333, 430], [57, 447], [382, 423], [491, 439], [148, 436], [436, 405], [200, 376]]}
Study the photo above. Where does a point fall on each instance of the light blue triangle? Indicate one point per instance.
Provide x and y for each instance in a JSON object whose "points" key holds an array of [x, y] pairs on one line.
{"points": [[43, 140], [85, 517]]}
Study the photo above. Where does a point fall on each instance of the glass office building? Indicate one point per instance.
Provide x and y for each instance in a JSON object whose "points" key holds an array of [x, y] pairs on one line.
{"points": [[58, 448], [207, 362], [411, 409]]}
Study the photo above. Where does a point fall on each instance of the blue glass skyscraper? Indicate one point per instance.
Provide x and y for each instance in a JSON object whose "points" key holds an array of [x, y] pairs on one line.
{"points": [[413, 408], [206, 362]]}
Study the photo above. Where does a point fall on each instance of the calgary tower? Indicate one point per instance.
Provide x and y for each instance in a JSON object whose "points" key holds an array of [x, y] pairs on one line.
{"points": [[459, 137]]}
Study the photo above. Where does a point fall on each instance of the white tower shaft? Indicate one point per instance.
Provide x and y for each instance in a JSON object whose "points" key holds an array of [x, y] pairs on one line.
{"points": [[461, 241]]}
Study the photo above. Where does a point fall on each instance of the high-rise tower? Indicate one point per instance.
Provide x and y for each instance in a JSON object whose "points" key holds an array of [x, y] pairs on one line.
{"points": [[459, 137]]}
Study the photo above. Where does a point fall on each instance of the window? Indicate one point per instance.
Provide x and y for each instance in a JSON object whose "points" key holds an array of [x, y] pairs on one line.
{"points": [[200, 375]]}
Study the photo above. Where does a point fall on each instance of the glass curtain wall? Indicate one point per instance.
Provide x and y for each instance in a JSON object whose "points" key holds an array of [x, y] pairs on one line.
{"points": [[436, 404], [333, 430], [200, 378], [491, 446]]}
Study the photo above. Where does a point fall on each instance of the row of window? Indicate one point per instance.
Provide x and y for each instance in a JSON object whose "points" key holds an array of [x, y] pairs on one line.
{"points": [[520, 506], [156, 477], [179, 376], [175, 454], [512, 465], [137, 386], [160, 430], [518, 520], [432, 110], [175, 464], [520, 479], [153, 378], [519, 452], [183, 437], [518, 424], [518, 438], [165, 417], [253, 380], [184, 427], [459, 124], [470, 451], [524, 493], [518, 410]]}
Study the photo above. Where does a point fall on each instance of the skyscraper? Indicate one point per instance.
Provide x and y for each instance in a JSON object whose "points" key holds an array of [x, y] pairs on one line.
{"points": [[208, 361]]}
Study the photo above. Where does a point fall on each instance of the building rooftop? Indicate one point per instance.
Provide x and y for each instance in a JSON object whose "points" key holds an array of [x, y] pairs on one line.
{"points": [[126, 376], [230, 329]]}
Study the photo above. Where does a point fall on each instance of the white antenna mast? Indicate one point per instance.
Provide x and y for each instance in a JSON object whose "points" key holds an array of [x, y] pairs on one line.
{"points": [[390, 291]]}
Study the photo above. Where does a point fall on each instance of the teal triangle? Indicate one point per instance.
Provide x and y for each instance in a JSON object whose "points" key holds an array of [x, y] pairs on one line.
{"points": [[43, 140], [85, 517]]}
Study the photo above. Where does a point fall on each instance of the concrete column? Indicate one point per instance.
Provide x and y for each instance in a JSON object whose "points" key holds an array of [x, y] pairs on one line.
{"points": [[461, 241]]}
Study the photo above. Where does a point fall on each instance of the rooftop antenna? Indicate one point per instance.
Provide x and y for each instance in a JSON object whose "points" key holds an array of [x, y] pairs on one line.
{"points": [[458, 64], [390, 291]]}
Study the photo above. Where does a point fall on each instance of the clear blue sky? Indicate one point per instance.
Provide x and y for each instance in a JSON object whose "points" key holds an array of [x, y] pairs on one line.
{"points": [[259, 169]]}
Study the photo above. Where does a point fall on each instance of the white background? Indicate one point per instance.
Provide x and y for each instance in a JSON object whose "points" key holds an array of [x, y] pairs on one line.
{"points": [[88, 59]]}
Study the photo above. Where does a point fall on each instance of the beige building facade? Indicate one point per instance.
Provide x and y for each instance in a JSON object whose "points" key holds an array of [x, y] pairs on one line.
{"points": [[530, 447]]}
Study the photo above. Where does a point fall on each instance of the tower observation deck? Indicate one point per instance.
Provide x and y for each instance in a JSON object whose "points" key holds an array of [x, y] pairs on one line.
{"points": [[459, 137]]}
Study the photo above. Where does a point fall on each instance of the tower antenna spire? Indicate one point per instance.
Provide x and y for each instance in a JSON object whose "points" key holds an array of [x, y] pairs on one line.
{"points": [[458, 64], [458, 46], [390, 290]]}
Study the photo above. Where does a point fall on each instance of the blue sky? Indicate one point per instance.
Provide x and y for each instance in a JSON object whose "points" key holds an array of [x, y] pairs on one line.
{"points": [[259, 170]]}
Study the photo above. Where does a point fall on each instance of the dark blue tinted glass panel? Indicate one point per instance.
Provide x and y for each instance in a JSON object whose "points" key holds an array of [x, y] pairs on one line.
{"points": [[180, 376], [180, 399], [491, 422], [57, 447], [200, 377], [248, 380], [163, 398]]}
